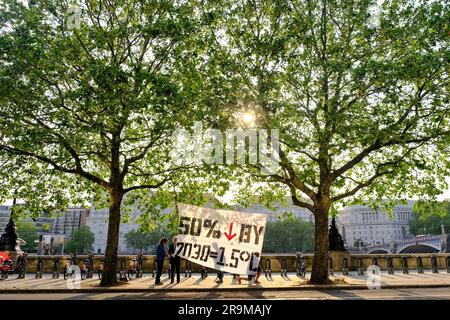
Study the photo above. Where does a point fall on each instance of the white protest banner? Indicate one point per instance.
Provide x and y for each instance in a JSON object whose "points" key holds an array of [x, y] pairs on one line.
{"points": [[230, 241]]}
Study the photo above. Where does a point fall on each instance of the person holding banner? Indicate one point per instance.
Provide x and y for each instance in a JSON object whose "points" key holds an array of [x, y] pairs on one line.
{"points": [[160, 255], [174, 261], [225, 240], [250, 276]]}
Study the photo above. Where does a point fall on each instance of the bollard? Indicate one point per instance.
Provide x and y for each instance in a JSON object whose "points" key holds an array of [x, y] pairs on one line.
{"points": [[345, 267], [39, 269], [330, 266], [301, 268], [360, 267], [390, 265], [21, 266], [375, 261], [188, 269], [268, 269], [122, 272], [405, 265], [100, 270], [73, 259], [447, 263], [283, 268], [434, 264], [56, 266], [219, 278], [419, 265], [90, 271], [140, 266], [204, 273]]}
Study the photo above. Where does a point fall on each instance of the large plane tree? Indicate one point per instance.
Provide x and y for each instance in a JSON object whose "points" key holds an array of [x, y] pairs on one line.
{"points": [[360, 96], [90, 93]]}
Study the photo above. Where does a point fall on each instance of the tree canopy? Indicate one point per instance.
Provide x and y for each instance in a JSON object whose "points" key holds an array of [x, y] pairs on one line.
{"points": [[289, 235], [28, 232], [431, 223], [90, 94], [363, 110], [146, 241]]}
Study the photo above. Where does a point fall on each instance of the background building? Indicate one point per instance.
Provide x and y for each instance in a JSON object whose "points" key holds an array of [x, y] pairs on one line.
{"points": [[54, 231], [43, 224], [5, 212], [374, 227], [97, 222], [69, 221]]}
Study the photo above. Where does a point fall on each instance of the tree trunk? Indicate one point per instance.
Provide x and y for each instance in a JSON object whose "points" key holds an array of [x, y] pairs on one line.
{"points": [[320, 262], [109, 277]]}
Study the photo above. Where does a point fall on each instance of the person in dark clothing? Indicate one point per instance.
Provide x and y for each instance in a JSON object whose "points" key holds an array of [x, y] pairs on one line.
{"points": [[256, 274], [160, 255], [174, 261], [219, 278]]}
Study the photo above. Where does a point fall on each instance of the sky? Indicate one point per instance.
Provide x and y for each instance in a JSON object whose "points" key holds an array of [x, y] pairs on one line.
{"points": [[229, 195]]}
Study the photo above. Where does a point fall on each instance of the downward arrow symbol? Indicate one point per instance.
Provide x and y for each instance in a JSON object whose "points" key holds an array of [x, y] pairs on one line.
{"points": [[230, 236]]}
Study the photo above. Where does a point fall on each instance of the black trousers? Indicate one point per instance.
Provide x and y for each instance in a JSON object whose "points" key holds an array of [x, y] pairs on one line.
{"points": [[175, 268], [159, 270]]}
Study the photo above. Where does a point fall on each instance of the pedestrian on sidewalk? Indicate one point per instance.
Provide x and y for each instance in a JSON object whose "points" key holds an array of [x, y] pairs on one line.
{"points": [[257, 273], [160, 255], [219, 278], [174, 261]]}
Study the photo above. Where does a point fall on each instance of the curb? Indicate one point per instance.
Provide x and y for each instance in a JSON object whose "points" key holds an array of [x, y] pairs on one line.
{"points": [[248, 289]]}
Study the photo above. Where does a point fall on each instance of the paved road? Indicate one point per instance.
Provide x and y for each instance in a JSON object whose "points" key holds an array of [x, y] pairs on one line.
{"points": [[196, 283], [390, 294]]}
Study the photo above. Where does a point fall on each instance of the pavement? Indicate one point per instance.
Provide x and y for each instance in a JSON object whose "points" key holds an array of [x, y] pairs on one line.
{"points": [[195, 283], [283, 295]]}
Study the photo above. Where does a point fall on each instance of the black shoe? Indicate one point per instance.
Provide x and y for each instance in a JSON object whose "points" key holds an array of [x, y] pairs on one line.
{"points": [[171, 282], [158, 283]]}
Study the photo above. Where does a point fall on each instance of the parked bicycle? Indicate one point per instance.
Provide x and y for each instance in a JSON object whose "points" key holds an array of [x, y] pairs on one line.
{"points": [[90, 271], [6, 269], [84, 270], [69, 270], [135, 269]]}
